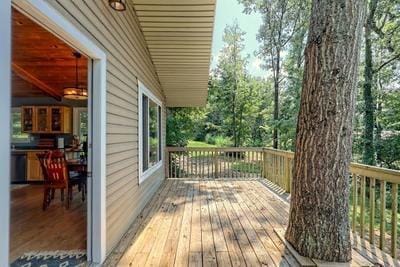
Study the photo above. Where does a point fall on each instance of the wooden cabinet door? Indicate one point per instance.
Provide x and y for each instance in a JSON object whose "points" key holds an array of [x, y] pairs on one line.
{"points": [[56, 119], [42, 119], [67, 120], [28, 119], [34, 171]]}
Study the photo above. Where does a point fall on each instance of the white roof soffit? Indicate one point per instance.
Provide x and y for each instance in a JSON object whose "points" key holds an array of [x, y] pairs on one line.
{"points": [[179, 36]]}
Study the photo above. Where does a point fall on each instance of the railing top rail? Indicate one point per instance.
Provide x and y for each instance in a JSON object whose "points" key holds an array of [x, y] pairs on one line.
{"points": [[392, 176], [278, 152], [217, 149], [380, 173]]}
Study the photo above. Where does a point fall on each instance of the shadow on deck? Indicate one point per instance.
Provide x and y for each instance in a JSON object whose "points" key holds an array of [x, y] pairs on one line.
{"points": [[219, 223]]}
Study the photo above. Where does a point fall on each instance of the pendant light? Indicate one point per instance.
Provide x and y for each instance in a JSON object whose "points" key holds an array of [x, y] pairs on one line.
{"points": [[118, 5], [76, 92]]}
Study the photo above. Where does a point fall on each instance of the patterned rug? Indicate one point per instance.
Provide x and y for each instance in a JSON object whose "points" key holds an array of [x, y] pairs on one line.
{"points": [[59, 258]]}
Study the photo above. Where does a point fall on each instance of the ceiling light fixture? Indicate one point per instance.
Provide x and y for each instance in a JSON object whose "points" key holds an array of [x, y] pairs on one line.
{"points": [[76, 92], [118, 5]]}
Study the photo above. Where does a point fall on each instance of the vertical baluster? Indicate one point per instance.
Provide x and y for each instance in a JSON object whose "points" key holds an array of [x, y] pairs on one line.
{"points": [[273, 169], [175, 164], [198, 168], [183, 164], [190, 163], [187, 163], [372, 210], [281, 172], [279, 158], [362, 203], [355, 204], [221, 164], [382, 232], [206, 165], [253, 164], [202, 164], [210, 161], [169, 163], [178, 163], [395, 190], [196, 163], [237, 162], [248, 164], [228, 162]]}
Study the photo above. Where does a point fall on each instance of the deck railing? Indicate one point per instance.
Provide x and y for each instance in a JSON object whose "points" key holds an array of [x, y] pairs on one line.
{"points": [[374, 195], [214, 162]]}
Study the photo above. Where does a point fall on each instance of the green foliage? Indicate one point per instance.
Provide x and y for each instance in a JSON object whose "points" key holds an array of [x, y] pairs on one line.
{"points": [[181, 125], [218, 141]]}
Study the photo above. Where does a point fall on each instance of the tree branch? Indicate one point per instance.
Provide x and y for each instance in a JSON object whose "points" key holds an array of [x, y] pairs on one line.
{"points": [[387, 63]]}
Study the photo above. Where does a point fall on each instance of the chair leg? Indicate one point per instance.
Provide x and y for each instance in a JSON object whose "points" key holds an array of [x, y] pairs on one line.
{"points": [[83, 187], [45, 199], [52, 193], [62, 195], [68, 197]]}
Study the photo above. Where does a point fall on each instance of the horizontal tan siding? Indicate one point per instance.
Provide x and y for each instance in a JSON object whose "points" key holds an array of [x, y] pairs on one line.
{"points": [[128, 61]]}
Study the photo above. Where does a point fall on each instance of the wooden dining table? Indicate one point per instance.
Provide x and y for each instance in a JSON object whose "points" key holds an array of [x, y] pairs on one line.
{"points": [[77, 165]]}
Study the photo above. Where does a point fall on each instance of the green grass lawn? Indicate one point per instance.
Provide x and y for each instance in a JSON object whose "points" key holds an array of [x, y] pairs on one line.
{"points": [[198, 144]]}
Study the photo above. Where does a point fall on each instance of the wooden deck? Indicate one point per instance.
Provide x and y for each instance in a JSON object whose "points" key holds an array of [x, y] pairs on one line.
{"points": [[219, 223]]}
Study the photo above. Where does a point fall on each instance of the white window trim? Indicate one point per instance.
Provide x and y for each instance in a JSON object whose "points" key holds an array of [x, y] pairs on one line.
{"points": [[143, 90]]}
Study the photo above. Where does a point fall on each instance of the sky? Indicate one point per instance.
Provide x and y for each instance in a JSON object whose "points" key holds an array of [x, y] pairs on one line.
{"points": [[227, 11]]}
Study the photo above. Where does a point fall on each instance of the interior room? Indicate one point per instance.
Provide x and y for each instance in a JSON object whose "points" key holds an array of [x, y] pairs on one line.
{"points": [[50, 130]]}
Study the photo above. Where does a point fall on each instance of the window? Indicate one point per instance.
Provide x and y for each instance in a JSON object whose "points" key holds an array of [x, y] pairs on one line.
{"points": [[17, 136], [80, 121], [150, 145]]}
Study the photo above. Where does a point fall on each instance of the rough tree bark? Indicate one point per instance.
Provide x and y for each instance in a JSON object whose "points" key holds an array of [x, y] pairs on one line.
{"points": [[319, 210]]}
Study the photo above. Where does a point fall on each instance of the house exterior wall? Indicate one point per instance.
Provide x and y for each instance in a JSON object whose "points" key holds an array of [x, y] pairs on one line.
{"points": [[128, 60]]}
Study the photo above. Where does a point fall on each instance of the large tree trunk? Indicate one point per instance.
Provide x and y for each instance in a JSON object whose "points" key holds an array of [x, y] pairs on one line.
{"points": [[369, 121], [319, 210]]}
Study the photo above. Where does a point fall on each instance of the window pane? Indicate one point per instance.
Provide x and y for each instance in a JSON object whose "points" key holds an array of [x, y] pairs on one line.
{"points": [[17, 135], [153, 131], [83, 125], [145, 133], [159, 134]]}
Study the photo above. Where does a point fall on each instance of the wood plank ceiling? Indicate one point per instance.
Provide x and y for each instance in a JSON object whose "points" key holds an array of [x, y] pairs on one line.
{"points": [[179, 37], [42, 64]]}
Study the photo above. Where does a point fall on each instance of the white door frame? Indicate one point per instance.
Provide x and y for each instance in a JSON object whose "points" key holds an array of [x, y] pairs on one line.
{"points": [[5, 115], [51, 19]]}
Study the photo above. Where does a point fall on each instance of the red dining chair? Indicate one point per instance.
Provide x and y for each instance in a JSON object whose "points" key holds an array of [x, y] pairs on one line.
{"points": [[56, 176]]}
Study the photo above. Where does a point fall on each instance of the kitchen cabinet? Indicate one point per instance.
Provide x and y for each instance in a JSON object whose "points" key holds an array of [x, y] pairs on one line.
{"points": [[33, 169], [28, 119], [60, 120], [42, 119], [46, 119]]}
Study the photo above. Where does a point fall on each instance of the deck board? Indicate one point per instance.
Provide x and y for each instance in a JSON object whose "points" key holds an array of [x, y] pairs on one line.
{"points": [[220, 223]]}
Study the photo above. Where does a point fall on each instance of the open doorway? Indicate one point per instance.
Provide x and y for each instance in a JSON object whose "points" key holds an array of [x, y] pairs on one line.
{"points": [[50, 123]]}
